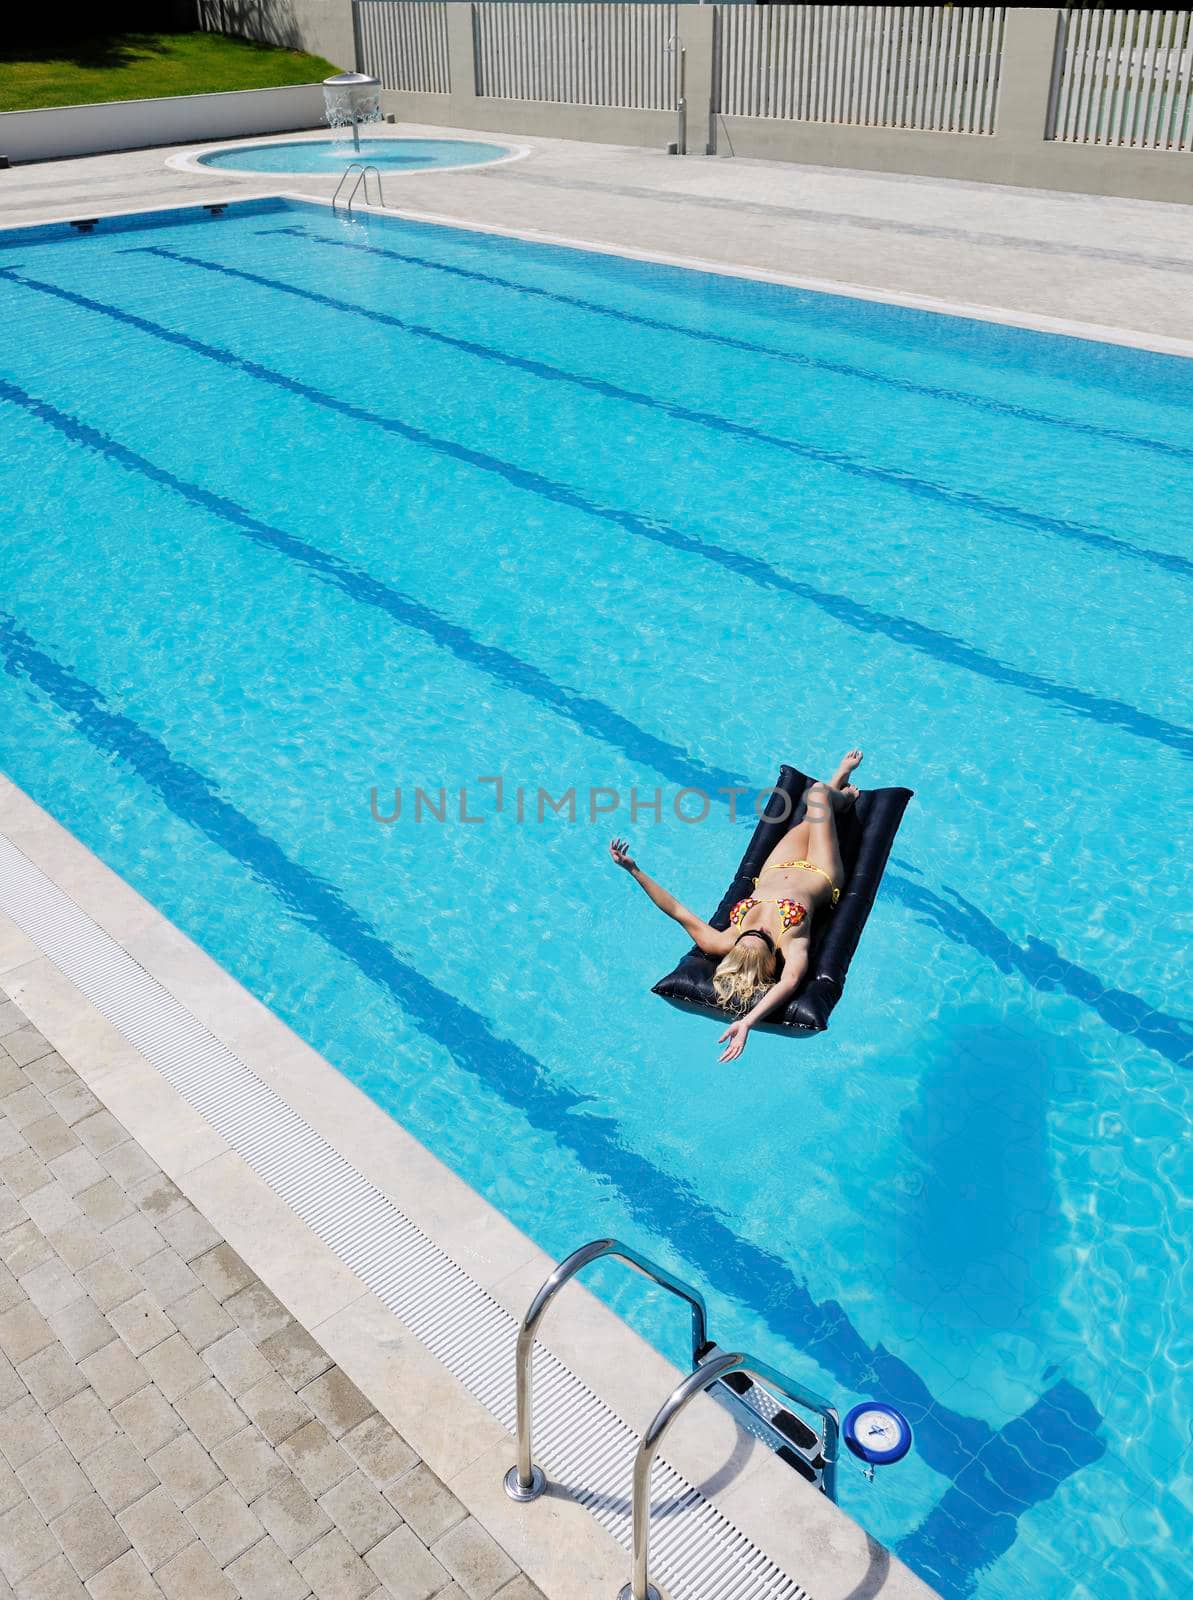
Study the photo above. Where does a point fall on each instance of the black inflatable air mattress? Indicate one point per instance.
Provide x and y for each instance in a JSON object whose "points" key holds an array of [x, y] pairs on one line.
{"points": [[865, 833]]}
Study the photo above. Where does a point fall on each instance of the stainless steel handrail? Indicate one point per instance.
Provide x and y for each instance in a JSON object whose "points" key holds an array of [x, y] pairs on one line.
{"points": [[362, 176], [713, 1370], [353, 166], [525, 1480]]}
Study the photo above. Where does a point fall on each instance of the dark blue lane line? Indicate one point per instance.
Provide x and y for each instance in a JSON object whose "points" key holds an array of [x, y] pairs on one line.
{"points": [[1046, 970], [971, 1525], [666, 1205], [843, 369], [591, 716], [1040, 964], [889, 477], [942, 647]]}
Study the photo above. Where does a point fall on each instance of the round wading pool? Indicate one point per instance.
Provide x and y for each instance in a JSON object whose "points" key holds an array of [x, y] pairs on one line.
{"points": [[333, 155]]}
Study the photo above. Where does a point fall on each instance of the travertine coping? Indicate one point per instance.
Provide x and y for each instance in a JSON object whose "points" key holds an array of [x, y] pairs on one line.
{"points": [[554, 1540]]}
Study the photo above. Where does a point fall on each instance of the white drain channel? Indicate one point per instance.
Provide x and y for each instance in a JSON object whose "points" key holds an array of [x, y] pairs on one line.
{"points": [[584, 1446]]}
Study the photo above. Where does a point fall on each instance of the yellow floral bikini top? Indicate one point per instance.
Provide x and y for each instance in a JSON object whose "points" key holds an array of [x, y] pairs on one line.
{"points": [[791, 912]]}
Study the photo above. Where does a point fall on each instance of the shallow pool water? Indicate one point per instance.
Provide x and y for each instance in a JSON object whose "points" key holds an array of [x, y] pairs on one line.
{"points": [[333, 155], [302, 510]]}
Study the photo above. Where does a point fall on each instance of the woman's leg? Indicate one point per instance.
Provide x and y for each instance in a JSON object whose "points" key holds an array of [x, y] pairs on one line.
{"points": [[822, 847]]}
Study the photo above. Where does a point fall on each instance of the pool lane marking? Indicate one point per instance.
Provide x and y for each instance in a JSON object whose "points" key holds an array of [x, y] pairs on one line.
{"points": [[726, 341], [659, 1201], [969, 1527], [836, 460], [1044, 969], [1040, 964], [941, 646]]}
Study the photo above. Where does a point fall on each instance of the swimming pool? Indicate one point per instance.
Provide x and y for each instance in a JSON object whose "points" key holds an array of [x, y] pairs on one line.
{"points": [[333, 155], [302, 508]]}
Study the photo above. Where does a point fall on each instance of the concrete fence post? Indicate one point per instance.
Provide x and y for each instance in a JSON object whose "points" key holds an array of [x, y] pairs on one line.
{"points": [[461, 50], [697, 28], [1025, 88]]}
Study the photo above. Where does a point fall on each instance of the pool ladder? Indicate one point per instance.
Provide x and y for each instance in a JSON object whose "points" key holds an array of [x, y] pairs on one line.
{"points": [[362, 177], [752, 1391]]}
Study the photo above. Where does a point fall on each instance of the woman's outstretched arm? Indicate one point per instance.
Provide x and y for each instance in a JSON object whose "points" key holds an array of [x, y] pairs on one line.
{"points": [[712, 941], [795, 965]]}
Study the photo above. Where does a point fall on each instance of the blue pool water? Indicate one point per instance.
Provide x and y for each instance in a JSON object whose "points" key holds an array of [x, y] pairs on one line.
{"points": [[298, 508], [333, 155]]}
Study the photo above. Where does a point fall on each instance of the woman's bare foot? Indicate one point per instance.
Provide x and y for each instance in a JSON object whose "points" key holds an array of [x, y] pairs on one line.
{"points": [[850, 761]]}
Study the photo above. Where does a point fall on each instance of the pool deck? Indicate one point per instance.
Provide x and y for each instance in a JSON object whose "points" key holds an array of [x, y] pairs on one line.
{"points": [[175, 1333], [1122, 268], [169, 1428]]}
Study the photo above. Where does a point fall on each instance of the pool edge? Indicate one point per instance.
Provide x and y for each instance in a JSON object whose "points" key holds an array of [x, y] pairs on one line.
{"points": [[191, 159], [1002, 316], [557, 1542]]}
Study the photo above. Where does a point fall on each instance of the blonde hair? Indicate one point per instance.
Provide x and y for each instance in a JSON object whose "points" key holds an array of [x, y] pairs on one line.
{"points": [[749, 968]]}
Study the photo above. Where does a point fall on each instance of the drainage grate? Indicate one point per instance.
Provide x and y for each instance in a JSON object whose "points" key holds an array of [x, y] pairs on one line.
{"points": [[584, 1446]]}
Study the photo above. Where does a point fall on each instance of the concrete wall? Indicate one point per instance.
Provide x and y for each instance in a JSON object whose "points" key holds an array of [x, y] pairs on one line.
{"points": [[322, 27], [179, 119], [596, 124], [1017, 153]]}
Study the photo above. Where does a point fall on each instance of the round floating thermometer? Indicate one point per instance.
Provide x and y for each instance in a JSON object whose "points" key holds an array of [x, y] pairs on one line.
{"points": [[878, 1434]]}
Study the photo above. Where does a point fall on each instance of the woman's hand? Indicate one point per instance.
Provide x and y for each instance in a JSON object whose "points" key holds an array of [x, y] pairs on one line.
{"points": [[737, 1033], [619, 849]]}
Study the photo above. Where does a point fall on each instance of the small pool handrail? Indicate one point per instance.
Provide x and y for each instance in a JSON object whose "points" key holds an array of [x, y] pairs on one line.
{"points": [[525, 1480], [362, 176]]}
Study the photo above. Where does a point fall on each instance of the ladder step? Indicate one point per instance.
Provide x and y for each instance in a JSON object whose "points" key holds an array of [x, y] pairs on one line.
{"points": [[796, 1430], [793, 1427]]}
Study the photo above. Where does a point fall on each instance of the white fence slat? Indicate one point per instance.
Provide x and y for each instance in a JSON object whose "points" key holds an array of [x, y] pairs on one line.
{"points": [[1101, 67], [1113, 72], [907, 44], [968, 87], [1177, 79], [1169, 108], [886, 105], [938, 23], [1069, 35], [1072, 75], [1149, 99], [1184, 88], [1132, 65]]}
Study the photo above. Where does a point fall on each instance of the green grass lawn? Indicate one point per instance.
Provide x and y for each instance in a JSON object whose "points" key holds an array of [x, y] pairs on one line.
{"points": [[143, 66]]}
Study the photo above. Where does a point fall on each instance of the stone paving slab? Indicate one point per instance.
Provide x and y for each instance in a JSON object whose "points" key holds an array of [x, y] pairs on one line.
{"points": [[168, 1431]]}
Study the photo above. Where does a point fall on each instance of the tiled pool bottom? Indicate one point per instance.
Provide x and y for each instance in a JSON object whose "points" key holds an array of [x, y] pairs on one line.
{"points": [[939, 1287]]}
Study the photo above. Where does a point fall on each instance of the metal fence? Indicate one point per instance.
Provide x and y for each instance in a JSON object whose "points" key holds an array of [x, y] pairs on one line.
{"points": [[1124, 78], [405, 45], [595, 54], [930, 67]]}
